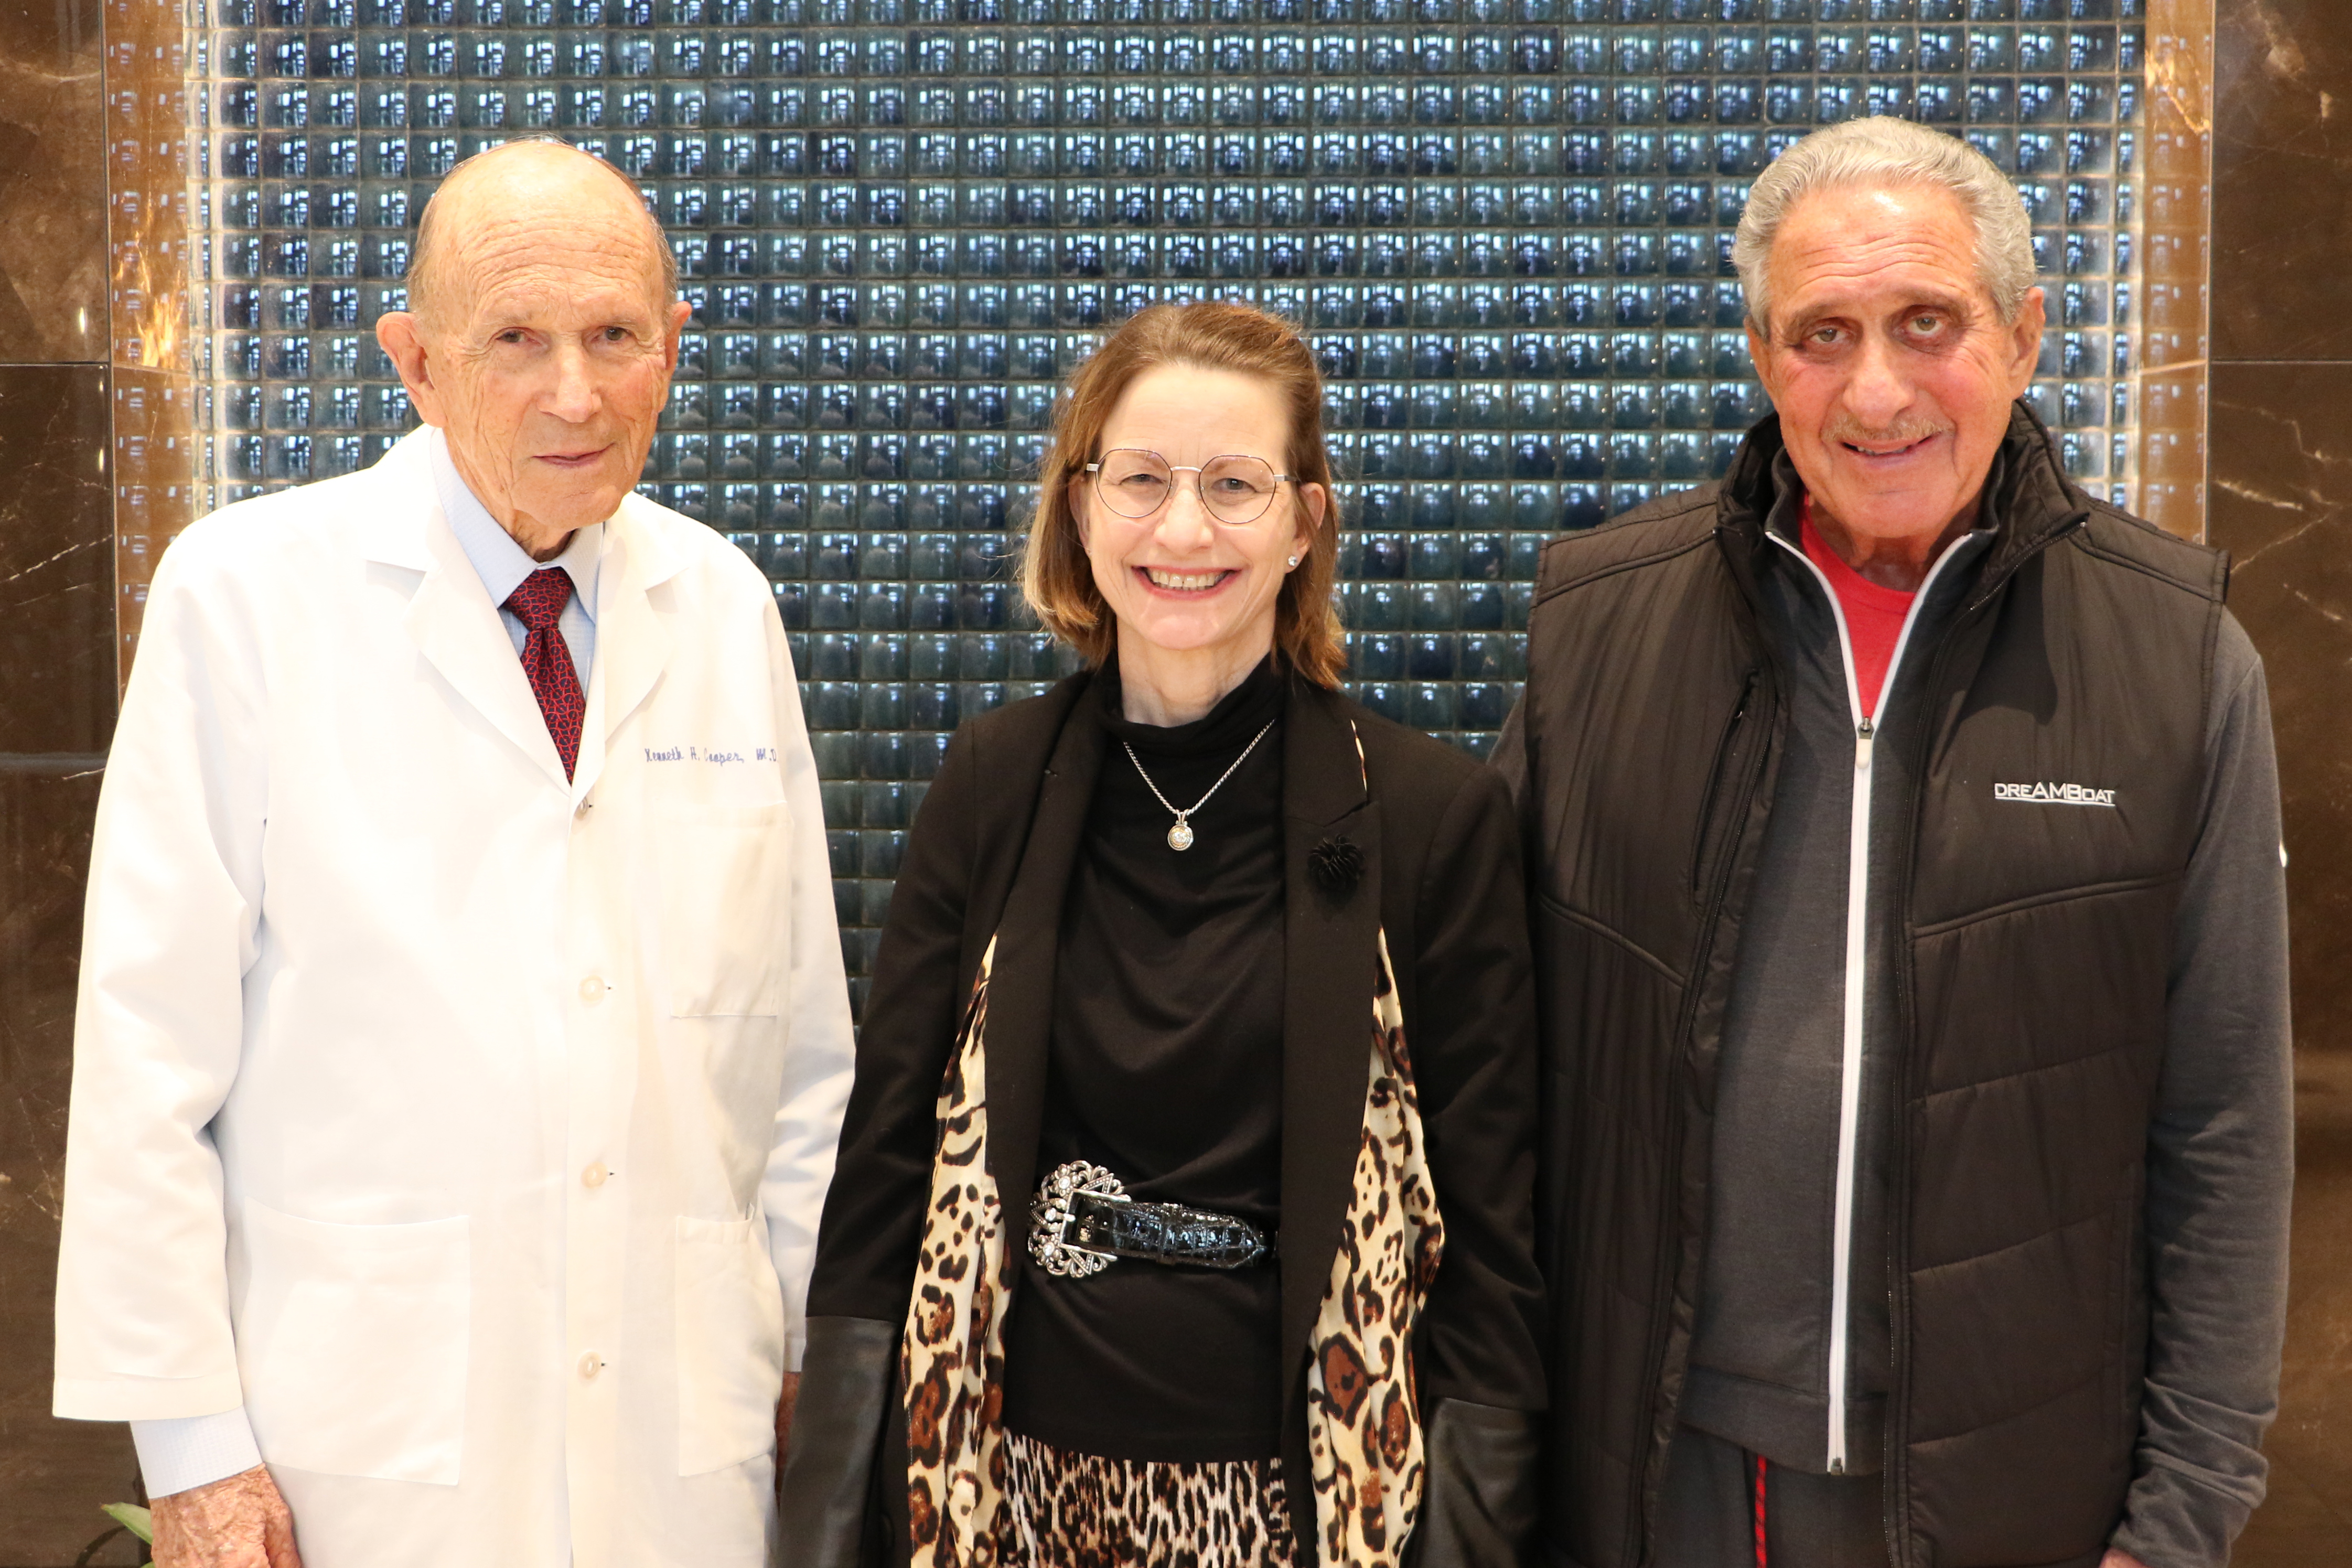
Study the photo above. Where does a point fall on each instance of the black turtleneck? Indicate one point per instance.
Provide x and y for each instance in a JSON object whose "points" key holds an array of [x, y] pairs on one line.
{"points": [[1166, 1068]]}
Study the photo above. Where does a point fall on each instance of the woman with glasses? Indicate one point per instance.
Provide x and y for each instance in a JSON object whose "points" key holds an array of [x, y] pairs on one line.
{"points": [[1183, 1205]]}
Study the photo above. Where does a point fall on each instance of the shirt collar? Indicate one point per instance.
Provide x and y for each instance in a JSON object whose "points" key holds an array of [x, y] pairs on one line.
{"points": [[498, 560]]}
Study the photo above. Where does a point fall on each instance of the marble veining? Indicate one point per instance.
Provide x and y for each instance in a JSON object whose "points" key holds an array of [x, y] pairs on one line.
{"points": [[2282, 505], [56, 642], [57, 567], [53, 1474], [2282, 499], [2302, 1523], [2282, 179], [53, 283]]}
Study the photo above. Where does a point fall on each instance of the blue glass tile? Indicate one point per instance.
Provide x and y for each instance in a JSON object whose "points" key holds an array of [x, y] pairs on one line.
{"points": [[1506, 227]]}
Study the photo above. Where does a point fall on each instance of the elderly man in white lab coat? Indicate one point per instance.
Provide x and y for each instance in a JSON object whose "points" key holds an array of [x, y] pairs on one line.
{"points": [[462, 1038]]}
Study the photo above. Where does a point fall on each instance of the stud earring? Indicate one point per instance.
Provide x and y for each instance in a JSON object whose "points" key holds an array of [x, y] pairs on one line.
{"points": [[1294, 561]]}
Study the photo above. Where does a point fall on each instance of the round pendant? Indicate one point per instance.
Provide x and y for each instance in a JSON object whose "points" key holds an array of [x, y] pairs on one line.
{"points": [[1180, 836]]}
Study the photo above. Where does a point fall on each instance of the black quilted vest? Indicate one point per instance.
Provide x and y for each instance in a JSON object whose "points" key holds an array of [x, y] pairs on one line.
{"points": [[2035, 941]]}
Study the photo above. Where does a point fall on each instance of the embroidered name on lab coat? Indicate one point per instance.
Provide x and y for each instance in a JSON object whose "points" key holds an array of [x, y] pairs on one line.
{"points": [[721, 755]]}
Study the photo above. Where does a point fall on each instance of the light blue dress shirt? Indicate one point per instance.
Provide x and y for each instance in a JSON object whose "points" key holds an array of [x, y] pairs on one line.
{"points": [[502, 564], [193, 1451]]}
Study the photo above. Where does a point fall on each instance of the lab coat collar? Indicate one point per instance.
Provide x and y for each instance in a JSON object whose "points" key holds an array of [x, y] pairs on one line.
{"points": [[458, 630], [404, 507], [633, 635]]}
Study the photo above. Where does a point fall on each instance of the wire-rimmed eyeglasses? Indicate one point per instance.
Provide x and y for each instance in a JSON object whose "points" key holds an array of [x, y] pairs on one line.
{"points": [[1234, 488]]}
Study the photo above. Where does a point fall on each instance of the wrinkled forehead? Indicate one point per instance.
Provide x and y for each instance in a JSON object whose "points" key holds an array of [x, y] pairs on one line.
{"points": [[1856, 247], [512, 267]]}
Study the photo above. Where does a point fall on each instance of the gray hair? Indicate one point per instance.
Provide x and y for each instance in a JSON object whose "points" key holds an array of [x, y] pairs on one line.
{"points": [[1881, 154], [423, 279]]}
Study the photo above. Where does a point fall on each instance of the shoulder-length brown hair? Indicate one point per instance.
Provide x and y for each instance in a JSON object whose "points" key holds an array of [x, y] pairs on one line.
{"points": [[1058, 578]]}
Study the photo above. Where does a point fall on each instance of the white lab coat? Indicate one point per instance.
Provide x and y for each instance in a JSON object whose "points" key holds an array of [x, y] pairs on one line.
{"points": [[467, 1125]]}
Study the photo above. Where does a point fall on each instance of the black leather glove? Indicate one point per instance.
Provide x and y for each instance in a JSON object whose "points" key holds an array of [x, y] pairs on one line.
{"points": [[1478, 1507], [823, 1506]]}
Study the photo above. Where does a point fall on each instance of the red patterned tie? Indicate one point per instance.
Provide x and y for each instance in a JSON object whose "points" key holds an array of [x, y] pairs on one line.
{"points": [[537, 604]]}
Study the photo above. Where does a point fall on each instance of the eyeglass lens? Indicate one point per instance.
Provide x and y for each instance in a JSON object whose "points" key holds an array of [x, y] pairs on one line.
{"points": [[1234, 488]]}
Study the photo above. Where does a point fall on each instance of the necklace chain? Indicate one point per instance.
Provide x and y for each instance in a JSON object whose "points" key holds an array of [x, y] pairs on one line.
{"points": [[1179, 837]]}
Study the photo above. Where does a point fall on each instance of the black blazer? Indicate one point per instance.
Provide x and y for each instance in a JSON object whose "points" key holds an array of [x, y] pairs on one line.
{"points": [[989, 856]]}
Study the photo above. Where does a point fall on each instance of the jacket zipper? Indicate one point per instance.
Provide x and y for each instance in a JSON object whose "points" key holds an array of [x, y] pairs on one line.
{"points": [[1857, 944], [1715, 784]]}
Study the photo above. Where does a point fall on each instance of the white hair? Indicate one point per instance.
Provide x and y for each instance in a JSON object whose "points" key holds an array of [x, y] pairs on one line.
{"points": [[1884, 153]]}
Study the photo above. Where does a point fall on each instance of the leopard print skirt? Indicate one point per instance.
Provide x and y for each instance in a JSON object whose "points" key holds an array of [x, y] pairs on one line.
{"points": [[1083, 1510]]}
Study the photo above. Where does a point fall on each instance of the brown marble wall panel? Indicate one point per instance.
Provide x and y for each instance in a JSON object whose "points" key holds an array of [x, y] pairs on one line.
{"points": [[57, 559], [2283, 180], [54, 1475], [57, 714], [2282, 505], [2304, 1523], [96, 473], [53, 270], [2282, 490]]}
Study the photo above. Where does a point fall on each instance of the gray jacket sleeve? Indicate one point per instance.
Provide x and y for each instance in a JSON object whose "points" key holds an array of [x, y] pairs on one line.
{"points": [[2219, 1155]]}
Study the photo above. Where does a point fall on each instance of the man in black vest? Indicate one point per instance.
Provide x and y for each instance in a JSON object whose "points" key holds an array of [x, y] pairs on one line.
{"points": [[1910, 928]]}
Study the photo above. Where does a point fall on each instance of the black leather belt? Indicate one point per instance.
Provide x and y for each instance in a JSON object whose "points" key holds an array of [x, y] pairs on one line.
{"points": [[1162, 1232], [1082, 1220]]}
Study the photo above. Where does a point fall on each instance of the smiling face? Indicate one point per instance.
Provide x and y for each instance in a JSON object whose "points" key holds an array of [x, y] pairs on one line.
{"points": [[1186, 590], [545, 351], [1887, 359]]}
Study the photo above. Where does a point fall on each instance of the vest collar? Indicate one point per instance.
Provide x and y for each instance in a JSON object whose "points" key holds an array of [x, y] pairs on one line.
{"points": [[2028, 500]]}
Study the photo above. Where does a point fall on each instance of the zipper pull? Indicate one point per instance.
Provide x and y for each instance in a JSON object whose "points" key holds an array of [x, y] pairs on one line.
{"points": [[1864, 734]]}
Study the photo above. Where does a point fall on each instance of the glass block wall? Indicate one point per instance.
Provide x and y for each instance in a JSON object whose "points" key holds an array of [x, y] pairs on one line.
{"points": [[1505, 224]]}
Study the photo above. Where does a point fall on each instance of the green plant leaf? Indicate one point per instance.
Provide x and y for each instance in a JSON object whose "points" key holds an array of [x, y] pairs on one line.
{"points": [[132, 1518]]}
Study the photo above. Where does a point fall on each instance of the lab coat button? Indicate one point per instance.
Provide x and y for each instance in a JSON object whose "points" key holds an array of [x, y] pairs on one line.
{"points": [[592, 990], [593, 1177], [591, 1364]]}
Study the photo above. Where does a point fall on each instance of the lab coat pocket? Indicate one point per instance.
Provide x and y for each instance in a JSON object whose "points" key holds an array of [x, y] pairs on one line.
{"points": [[730, 1343], [725, 882], [353, 1343]]}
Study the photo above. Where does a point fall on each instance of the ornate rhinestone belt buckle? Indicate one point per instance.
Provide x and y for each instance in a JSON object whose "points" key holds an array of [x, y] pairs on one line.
{"points": [[1049, 1218]]}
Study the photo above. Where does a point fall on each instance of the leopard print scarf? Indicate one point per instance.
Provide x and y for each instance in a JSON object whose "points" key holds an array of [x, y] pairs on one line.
{"points": [[1363, 1412], [951, 1357], [1363, 1420]]}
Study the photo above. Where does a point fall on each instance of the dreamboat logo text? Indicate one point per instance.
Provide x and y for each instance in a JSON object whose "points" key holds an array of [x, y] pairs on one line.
{"points": [[2054, 794]]}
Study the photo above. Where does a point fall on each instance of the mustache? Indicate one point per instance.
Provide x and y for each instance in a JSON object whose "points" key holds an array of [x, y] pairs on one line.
{"points": [[1845, 428]]}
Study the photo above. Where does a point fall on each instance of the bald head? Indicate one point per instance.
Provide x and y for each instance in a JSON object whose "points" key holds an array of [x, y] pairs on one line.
{"points": [[542, 327], [512, 190]]}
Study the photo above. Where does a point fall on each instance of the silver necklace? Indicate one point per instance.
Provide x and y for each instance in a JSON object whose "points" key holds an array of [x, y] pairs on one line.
{"points": [[1179, 837]]}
